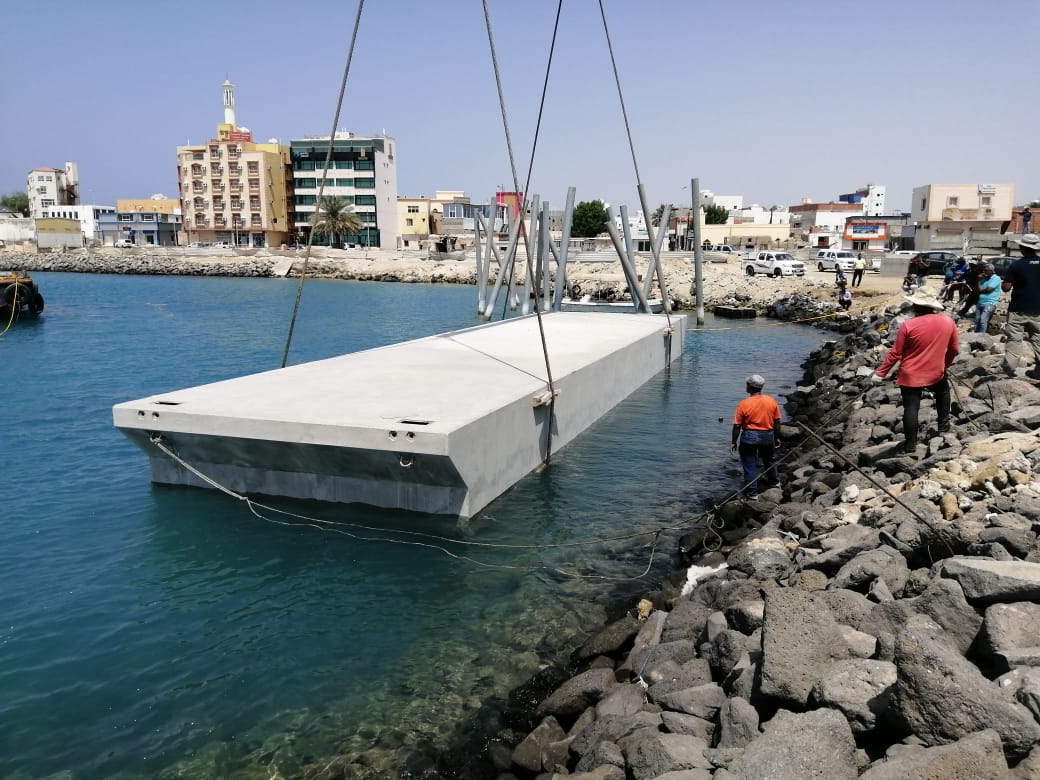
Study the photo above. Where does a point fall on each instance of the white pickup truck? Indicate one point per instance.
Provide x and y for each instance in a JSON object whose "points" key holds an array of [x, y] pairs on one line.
{"points": [[774, 264], [720, 253]]}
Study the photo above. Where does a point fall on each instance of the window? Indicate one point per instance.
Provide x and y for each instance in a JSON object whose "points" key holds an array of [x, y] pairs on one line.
{"points": [[345, 164], [47, 202], [951, 201], [413, 209], [43, 178], [148, 217], [344, 182], [198, 156], [365, 200], [364, 165], [254, 167], [305, 200], [126, 217], [368, 184], [367, 216], [924, 203], [45, 215], [306, 184], [409, 222], [305, 165], [986, 200]]}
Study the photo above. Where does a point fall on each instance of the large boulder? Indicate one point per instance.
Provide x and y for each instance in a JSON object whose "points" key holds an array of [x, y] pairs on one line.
{"points": [[881, 563], [761, 558], [801, 640], [859, 689], [815, 744], [986, 581], [943, 601], [977, 756], [666, 753], [1011, 635], [940, 696], [577, 693]]}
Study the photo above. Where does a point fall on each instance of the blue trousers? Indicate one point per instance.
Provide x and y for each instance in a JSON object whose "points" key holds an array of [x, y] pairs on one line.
{"points": [[755, 445]]}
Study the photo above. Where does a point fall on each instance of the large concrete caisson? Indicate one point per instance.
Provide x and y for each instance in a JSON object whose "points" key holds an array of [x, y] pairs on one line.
{"points": [[442, 425]]}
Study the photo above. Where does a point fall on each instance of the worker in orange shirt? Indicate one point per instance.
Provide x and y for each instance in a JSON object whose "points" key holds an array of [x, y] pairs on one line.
{"points": [[756, 434]]}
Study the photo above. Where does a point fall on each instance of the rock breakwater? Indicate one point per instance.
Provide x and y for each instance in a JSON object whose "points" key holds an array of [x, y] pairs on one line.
{"points": [[877, 617]]}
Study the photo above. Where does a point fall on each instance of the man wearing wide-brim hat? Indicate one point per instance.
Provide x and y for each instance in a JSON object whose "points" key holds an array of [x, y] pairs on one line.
{"points": [[1022, 280], [925, 346]]}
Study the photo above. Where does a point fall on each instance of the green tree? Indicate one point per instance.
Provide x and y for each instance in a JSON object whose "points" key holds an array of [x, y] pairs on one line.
{"points": [[590, 219], [16, 201], [1034, 204], [655, 219], [334, 219], [715, 215]]}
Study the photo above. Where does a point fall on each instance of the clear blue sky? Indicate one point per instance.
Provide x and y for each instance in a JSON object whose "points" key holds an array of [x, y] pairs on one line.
{"points": [[772, 101]]}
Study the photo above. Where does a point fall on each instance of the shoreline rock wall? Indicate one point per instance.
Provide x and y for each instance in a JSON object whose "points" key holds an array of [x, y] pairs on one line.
{"points": [[877, 617]]}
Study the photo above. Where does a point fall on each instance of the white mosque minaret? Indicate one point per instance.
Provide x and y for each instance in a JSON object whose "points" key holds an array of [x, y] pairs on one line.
{"points": [[229, 103]]}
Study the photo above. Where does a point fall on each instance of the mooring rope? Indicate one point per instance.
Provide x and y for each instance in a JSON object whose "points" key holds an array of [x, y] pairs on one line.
{"points": [[321, 187], [14, 307]]}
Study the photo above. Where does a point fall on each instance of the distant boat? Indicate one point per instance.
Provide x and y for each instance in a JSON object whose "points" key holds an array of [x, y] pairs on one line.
{"points": [[19, 296], [587, 303]]}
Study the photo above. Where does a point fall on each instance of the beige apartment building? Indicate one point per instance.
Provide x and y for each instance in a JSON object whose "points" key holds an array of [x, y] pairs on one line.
{"points": [[233, 189], [962, 217]]}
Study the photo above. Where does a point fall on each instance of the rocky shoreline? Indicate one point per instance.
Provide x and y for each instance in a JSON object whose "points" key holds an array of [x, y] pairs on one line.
{"points": [[725, 284], [877, 617]]}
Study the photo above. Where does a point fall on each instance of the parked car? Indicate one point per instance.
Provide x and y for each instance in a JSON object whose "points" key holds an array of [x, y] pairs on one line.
{"points": [[123, 243], [907, 253], [936, 259], [775, 264], [223, 245], [833, 259], [198, 244]]}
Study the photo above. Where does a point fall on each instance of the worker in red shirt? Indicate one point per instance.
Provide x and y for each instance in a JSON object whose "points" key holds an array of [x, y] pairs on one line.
{"points": [[756, 424], [925, 346]]}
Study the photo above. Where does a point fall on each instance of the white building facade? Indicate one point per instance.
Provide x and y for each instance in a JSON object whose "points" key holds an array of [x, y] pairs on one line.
{"points": [[51, 187], [362, 171], [962, 217]]}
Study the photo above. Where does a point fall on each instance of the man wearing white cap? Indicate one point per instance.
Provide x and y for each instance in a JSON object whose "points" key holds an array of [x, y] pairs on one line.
{"points": [[1023, 282], [756, 424], [925, 346]]}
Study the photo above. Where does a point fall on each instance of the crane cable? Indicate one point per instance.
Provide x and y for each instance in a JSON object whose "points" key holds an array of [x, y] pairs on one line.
{"points": [[321, 187], [516, 187]]}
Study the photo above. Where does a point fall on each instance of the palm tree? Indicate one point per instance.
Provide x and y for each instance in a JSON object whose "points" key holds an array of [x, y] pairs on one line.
{"points": [[334, 218]]}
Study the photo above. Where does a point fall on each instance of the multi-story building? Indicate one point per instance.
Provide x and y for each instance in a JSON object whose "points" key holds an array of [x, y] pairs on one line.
{"points": [[50, 187], [154, 221], [961, 217], [871, 198], [233, 189], [362, 171]]}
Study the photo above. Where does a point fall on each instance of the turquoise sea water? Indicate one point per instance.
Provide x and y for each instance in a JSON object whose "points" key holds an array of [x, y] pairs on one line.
{"points": [[150, 631]]}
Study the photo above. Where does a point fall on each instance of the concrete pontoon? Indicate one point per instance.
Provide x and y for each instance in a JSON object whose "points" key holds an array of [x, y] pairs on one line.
{"points": [[441, 425]]}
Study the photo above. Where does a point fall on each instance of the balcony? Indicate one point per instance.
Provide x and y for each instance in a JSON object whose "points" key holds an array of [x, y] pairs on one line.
{"points": [[218, 186], [235, 170], [219, 222], [236, 205], [216, 170], [254, 205], [218, 205]]}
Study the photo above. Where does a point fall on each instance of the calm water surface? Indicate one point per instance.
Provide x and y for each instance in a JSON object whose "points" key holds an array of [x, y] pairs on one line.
{"points": [[150, 631]]}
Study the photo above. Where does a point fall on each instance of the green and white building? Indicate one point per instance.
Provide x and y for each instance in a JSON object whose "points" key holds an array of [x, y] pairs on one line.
{"points": [[362, 171]]}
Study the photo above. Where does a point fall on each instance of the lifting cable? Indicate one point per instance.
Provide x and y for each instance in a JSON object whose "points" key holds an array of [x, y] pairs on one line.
{"points": [[654, 252], [14, 307], [321, 186], [516, 187]]}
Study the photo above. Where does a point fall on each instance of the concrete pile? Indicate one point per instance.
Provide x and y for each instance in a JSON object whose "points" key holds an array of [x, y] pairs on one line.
{"points": [[877, 617]]}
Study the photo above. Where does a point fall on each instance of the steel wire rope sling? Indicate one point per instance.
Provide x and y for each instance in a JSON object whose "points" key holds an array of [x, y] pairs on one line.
{"points": [[534, 143], [655, 251], [516, 187], [321, 187]]}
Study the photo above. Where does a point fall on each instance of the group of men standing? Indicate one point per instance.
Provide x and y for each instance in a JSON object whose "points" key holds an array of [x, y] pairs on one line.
{"points": [[925, 347]]}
